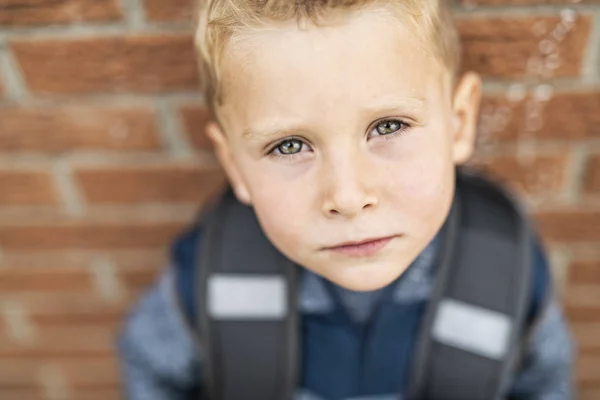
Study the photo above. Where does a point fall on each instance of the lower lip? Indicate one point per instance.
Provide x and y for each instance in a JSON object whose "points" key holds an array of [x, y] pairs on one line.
{"points": [[364, 249]]}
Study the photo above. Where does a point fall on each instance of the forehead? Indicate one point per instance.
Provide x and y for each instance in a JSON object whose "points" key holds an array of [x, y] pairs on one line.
{"points": [[366, 57]]}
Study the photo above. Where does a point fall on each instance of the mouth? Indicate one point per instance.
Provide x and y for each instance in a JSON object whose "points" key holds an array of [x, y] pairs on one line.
{"points": [[362, 248]]}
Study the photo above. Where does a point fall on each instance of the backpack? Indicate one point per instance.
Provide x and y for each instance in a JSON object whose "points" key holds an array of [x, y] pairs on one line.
{"points": [[470, 336]]}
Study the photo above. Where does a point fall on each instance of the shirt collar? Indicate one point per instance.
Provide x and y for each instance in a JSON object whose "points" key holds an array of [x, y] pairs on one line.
{"points": [[413, 286]]}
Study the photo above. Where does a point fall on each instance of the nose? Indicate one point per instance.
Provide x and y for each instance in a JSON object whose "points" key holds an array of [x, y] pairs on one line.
{"points": [[348, 187]]}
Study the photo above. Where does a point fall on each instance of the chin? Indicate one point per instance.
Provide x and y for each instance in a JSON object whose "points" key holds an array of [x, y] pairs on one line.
{"points": [[364, 280]]}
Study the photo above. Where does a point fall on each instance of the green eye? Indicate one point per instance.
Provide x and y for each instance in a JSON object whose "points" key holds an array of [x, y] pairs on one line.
{"points": [[388, 127], [290, 146]]}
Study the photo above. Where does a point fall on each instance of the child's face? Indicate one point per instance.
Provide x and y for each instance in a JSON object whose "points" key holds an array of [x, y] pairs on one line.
{"points": [[345, 133]]}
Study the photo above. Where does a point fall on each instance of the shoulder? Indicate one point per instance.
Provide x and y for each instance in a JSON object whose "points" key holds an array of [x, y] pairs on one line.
{"points": [[485, 193], [154, 336], [184, 256], [541, 282]]}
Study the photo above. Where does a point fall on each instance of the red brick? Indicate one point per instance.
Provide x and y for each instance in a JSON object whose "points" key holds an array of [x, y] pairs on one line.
{"points": [[195, 119], [143, 64], [135, 260], [105, 319], [583, 314], [80, 259], [137, 272], [26, 188], [182, 183], [80, 373], [63, 341], [535, 175], [59, 129], [501, 46], [96, 373], [589, 393], [571, 226], [44, 12], [138, 279], [566, 116], [586, 335], [172, 10], [592, 175], [588, 369], [22, 394], [47, 280], [584, 297], [585, 272], [67, 306], [99, 393], [88, 235], [524, 2]]}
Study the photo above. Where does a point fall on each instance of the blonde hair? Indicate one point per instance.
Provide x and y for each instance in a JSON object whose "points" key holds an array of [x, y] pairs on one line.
{"points": [[219, 20]]}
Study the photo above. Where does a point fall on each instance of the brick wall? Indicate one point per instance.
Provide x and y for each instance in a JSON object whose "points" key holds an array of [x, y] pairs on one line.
{"points": [[102, 161]]}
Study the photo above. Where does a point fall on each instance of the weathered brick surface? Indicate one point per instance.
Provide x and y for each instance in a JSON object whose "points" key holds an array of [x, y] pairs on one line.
{"points": [[77, 127], [575, 226], [102, 318], [536, 175], [43, 12], [524, 2], [173, 10], [93, 372], [119, 64], [194, 120], [592, 393], [106, 104], [85, 235], [177, 183], [138, 279], [67, 341], [502, 47], [582, 296], [22, 393], [586, 334], [565, 117], [592, 175], [577, 314], [585, 272], [588, 370], [30, 187], [98, 393], [48, 280]]}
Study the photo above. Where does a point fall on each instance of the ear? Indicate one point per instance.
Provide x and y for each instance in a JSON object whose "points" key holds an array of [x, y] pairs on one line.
{"points": [[224, 154], [467, 98]]}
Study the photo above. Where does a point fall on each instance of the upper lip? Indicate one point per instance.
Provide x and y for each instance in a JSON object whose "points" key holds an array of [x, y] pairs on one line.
{"points": [[359, 242]]}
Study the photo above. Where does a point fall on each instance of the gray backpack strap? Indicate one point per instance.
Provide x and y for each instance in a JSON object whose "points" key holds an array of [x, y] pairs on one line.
{"points": [[247, 301], [471, 333]]}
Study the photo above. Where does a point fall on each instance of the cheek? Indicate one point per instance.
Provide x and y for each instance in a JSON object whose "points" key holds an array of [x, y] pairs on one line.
{"points": [[280, 195], [281, 209], [426, 181], [429, 188], [283, 225]]}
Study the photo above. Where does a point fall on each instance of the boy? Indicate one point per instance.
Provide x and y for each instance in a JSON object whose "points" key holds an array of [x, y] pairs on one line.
{"points": [[366, 267]]}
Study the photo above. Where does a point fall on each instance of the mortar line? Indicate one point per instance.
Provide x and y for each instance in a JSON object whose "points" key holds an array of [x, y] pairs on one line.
{"points": [[591, 60]]}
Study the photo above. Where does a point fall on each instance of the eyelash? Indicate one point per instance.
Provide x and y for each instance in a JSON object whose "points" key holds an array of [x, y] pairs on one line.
{"points": [[288, 157], [404, 127]]}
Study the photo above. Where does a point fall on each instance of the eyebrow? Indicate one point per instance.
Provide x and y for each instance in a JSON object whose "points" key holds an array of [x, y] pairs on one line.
{"points": [[397, 104], [270, 130], [391, 104]]}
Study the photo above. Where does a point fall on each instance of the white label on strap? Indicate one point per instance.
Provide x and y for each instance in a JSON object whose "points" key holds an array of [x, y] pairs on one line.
{"points": [[472, 328], [247, 297]]}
